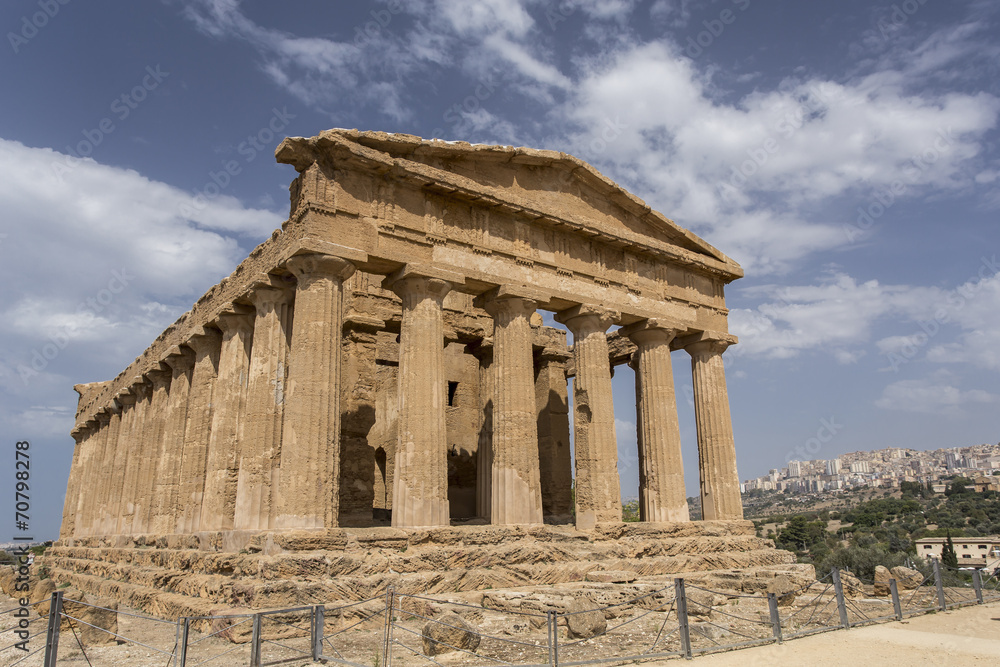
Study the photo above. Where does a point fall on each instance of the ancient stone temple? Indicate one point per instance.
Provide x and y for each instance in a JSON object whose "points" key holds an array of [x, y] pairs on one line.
{"points": [[381, 360]]}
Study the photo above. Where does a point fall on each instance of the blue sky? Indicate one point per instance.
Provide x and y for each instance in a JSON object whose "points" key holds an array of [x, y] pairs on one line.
{"points": [[846, 154]]}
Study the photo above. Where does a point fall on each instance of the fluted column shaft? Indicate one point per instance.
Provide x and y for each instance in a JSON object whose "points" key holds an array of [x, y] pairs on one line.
{"points": [[720, 482], [662, 494], [484, 449], [154, 433], [555, 460], [122, 452], [68, 528], [168, 474], [261, 447], [229, 407], [101, 467], [516, 494], [309, 491], [88, 458], [201, 403], [138, 459], [420, 484], [358, 396], [598, 490]]}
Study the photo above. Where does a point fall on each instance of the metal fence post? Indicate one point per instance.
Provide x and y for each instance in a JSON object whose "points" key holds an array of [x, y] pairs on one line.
{"points": [[390, 602], [838, 588], [977, 583], [772, 603], [52, 634], [182, 645], [896, 607], [942, 603], [682, 617], [553, 621], [255, 642], [318, 625]]}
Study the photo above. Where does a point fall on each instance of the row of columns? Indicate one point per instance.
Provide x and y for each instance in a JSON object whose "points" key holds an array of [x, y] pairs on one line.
{"points": [[239, 428]]}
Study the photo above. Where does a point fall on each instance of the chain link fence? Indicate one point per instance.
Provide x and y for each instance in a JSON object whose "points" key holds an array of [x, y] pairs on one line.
{"points": [[677, 620]]}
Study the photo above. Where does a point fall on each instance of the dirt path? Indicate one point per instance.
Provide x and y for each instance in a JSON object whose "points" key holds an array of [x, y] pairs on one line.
{"points": [[967, 636]]}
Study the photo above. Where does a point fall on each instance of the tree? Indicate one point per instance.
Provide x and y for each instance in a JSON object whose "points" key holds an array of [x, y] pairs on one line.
{"points": [[948, 556]]}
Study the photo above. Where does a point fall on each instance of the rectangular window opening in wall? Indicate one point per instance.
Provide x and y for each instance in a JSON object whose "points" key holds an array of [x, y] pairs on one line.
{"points": [[452, 389]]}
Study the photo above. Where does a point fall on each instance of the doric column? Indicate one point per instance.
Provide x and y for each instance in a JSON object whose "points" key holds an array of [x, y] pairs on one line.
{"points": [[91, 458], [123, 450], [261, 446], [168, 473], [153, 435], [206, 345], [516, 494], [358, 394], [81, 436], [661, 472], [420, 483], [103, 468], [138, 458], [598, 490], [308, 494], [484, 449], [720, 482], [555, 460], [229, 403]]}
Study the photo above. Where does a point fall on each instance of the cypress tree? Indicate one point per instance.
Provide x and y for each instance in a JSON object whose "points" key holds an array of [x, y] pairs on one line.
{"points": [[948, 556]]}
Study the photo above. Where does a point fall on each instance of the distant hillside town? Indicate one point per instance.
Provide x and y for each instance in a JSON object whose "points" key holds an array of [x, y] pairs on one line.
{"points": [[885, 468]]}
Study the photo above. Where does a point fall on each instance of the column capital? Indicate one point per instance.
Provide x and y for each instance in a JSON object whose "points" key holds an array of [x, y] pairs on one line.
{"points": [[266, 298], [651, 332], [706, 343], [159, 377], [314, 266], [142, 388], [585, 319], [204, 340], [103, 417], [180, 358], [416, 285], [509, 292], [127, 399], [236, 322], [418, 276]]}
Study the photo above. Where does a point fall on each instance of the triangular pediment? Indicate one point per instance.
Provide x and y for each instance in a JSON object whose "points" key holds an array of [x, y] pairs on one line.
{"points": [[542, 182]]}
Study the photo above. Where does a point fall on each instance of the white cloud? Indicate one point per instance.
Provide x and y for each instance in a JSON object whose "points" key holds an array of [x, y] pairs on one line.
{"points": [[757, 171], [751, 171], [931, 396], [102, 259]]}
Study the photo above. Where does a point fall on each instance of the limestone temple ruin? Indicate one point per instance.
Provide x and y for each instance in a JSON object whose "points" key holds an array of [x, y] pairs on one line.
{"points": [[382, 355]]}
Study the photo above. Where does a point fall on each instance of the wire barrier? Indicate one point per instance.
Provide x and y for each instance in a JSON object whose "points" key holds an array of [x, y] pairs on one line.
{"points": [[513, 629]]}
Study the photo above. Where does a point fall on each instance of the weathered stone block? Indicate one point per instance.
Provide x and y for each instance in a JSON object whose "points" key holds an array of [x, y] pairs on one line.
{"points": [[449, 633]]}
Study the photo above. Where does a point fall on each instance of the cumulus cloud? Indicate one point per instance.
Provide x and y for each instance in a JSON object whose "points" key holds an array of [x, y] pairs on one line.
{"points": [[102, 259], [755, 170], [932, 396]]}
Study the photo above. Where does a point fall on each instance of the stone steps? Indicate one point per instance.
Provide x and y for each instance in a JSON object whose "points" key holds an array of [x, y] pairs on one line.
{"points": [[289, 569]]}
